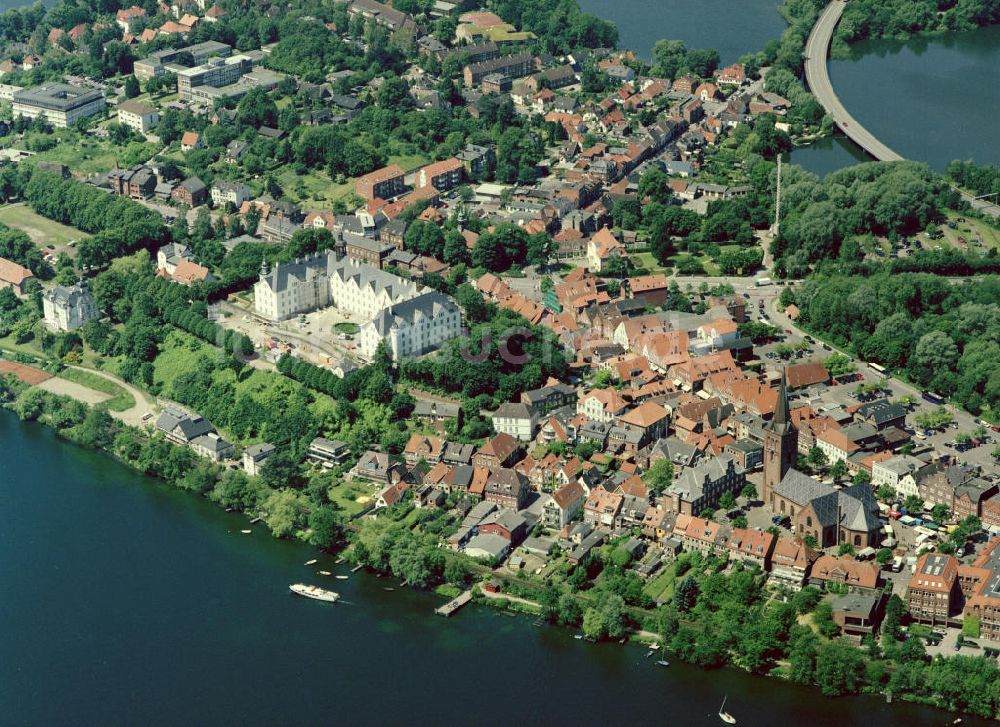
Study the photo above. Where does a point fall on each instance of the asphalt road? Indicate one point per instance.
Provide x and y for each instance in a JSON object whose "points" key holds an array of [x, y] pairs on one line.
{"points": [[818, 78]]}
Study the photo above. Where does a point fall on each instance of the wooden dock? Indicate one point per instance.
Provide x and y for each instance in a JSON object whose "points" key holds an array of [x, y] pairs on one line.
{"points": [[454, 604]]}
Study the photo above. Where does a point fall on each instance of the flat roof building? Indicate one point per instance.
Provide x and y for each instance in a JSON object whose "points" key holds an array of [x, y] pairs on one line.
{"points": [[60, 104]]}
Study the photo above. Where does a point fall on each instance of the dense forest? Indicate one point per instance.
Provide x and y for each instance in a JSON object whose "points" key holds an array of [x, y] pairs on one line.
{"points": [[944, 337], [821, 219]]}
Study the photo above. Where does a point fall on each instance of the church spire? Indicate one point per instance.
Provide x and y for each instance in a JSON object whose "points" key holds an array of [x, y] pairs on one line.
{"points": [[781, 411]]}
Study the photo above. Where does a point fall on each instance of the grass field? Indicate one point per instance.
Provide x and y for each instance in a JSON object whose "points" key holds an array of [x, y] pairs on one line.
{"points": [[41, 230], [120, 400], [661, 588]]}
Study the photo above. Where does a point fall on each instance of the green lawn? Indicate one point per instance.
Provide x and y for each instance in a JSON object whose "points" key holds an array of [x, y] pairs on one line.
{"points": [[661, 588], [88, 155], [346, 327], [179, 353], [121, 400], [348, 494], [41, 230]]}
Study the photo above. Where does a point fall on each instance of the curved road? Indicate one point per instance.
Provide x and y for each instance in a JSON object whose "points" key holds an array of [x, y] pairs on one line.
{"points": [[818, 78]]}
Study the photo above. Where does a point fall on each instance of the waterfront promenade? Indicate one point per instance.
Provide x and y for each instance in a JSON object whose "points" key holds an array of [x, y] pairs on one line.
{"points": [[818, 79]]}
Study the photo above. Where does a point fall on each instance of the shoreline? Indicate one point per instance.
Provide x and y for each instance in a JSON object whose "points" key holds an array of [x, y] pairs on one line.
{"points": [[516, 605]]}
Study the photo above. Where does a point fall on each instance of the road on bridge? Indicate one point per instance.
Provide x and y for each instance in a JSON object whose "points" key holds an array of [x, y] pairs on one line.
{"points": [[818, 78]]}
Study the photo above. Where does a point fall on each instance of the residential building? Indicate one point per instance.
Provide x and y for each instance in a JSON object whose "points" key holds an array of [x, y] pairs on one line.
{"points": [[170, 256], [327, 453], [602, 508], [138, 115], [857, 615], [791, 562], [137, 183], [442, 175], [421, 447], [68, 308], [181, 427], [650, 421], [384, 183], [376, 467], [563, 505], [477, 160], [14, 276], [700, 487], [981, 585], [954, 486], [506, 487], [518, 420], [505, 523], [382, 14], [255, 456], [60, 104], [753, 547], [192, 192], [501, 451], [894, 473], [190, 140], [438, 413], [855, 575], [513, 66], [212, 446], [225, 192], [748, 454], [882, 414], [933, 594], [601, 405]]}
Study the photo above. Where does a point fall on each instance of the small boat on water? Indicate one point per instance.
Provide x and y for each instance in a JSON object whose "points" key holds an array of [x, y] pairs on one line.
{"points": [[578, 637], [314, 592], [724, 715], [341, 578], [663, 662], [387, 588], [246, 532], [324, 572], [255, 521], [311, 562], [650, 653]]}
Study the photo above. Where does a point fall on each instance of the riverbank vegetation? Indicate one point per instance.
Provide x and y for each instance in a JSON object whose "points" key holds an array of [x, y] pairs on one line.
{"points": [[863, 19]]}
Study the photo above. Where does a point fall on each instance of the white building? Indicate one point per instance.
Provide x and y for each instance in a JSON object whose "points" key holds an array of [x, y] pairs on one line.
{"points": [[359, 291], [518, 420], [255, 456], [897, 473], [225, 191], [170, 256], [413, 327], [69, 308], [391, 308], [138, 115]]}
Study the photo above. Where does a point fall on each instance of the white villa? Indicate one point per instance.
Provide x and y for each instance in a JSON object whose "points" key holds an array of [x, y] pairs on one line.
{"points": [[69, 308]]}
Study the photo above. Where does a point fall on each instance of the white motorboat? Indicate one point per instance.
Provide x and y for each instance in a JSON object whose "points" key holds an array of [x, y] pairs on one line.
{"points": [[314, 592]]}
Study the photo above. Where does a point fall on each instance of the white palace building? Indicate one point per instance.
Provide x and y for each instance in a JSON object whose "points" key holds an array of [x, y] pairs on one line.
{"points": [[411, 320]]}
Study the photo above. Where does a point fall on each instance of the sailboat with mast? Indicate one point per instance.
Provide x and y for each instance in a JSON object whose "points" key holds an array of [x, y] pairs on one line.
{"points": [[724, 715]]}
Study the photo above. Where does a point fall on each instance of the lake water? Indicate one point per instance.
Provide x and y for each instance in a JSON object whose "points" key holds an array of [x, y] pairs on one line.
{"points": [[732, 27], [931, 99], [123, 601]]}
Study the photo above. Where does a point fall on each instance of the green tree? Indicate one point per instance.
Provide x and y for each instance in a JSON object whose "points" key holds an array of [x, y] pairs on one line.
{"points": [[840, 669], [686, 595], [327, 526], [749, 492], [660, 475]]}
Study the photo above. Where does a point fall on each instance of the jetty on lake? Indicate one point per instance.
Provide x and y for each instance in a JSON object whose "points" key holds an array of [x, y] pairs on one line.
{"points": [[454, 604]]}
